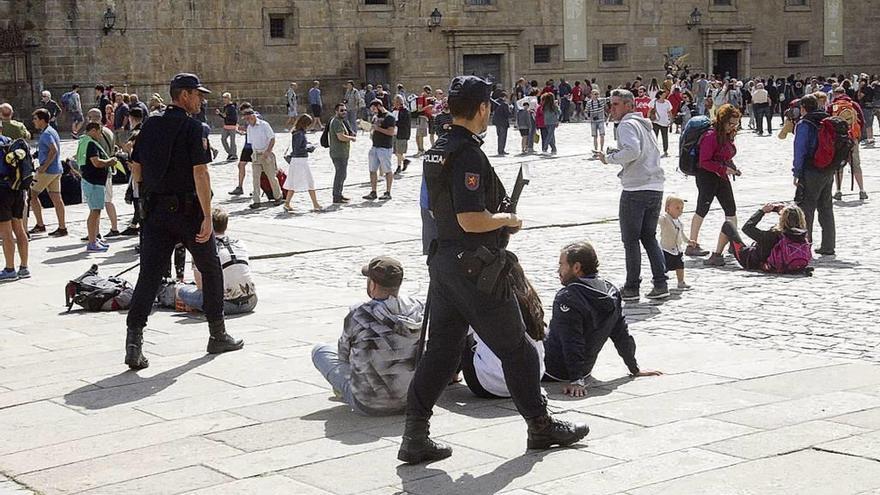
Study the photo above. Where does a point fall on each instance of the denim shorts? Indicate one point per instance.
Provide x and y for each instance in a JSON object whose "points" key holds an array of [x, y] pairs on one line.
{"points": [[93, 195], [380, 160]]}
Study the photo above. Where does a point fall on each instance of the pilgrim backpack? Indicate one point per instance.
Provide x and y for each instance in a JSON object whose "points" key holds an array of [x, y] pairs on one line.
{"points": [[16, 164], [689, 149], [834, 144], [96, 293]]}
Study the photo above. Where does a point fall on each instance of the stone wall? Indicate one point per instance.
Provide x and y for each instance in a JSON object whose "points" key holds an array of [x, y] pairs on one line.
{"points": [[227, 42]]}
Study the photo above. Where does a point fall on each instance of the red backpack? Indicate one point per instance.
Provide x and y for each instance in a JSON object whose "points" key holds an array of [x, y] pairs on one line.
{"points": [[834, 144]]}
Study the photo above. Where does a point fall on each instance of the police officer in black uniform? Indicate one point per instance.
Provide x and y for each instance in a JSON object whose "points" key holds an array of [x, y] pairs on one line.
{"points": [[170, 162], [469, 283]]}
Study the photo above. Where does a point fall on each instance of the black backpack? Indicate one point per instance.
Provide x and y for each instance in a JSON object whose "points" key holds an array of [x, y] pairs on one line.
{"points": [[689, 147], [16, 164], [96, 293], [325, 135]]}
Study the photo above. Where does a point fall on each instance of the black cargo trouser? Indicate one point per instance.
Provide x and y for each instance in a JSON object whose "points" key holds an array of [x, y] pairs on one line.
{"points": [[161, 231], [455, 304]]}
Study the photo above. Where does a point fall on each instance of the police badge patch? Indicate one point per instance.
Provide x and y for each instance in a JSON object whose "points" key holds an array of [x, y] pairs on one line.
{"points": [[471, 181]]}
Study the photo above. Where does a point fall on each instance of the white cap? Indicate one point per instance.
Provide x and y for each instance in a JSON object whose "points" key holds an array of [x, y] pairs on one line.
{"points": [[46, 94]]}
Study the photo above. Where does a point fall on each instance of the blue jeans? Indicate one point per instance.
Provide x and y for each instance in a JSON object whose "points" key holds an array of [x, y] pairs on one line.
{"points": [[548, 138], [325, 357], [341, 166], [192, 297], [639, 211]]}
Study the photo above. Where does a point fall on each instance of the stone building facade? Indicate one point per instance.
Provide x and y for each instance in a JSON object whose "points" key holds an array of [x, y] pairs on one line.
{"points": [[253, 48]]}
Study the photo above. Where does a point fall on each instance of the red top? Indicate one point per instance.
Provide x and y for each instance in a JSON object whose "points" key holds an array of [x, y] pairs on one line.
{"points": [[539, 116], [422, 101], [643, 104], [675, 99], [577, 94], [716, 158]]}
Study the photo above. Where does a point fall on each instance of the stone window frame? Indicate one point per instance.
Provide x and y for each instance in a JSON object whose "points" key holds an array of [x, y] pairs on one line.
{"points": [[806, 7], [805, 56], [363, 6], [555, 61], [623, 53], [606, 7], [722, 8], [291, 16], [492, 6]]}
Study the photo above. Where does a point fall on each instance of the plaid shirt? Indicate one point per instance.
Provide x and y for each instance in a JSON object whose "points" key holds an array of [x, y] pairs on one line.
{"points": [[379, 342]]}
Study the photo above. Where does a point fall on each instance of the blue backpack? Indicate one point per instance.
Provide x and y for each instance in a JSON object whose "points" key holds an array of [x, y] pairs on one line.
{"points": [[689, 147]]}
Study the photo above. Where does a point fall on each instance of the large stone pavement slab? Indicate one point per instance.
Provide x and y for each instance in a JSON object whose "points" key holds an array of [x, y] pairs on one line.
{"points": [[771, 382]]}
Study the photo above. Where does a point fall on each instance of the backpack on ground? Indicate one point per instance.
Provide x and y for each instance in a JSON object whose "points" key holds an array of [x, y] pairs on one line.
{"points": [[325, 135], [689, 148], [96, 293], [834, 144], [789, 256], [71, 187], [16, 165]]}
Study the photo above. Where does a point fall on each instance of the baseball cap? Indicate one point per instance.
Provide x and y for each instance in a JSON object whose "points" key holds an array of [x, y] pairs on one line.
{"points": [[385, 271], [188, 81], [376, 101], [248, 111], [470, 87]]}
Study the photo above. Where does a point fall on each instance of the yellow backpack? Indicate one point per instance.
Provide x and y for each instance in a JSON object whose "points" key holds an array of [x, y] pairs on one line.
{"points": [[846, 111]]}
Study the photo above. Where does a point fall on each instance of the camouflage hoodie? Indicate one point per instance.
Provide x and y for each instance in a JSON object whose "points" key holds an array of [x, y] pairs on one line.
{"points": [[379, 342]]}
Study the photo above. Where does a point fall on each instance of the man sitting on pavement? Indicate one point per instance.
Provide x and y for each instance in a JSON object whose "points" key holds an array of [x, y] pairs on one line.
{"points": [[376, 356], [239, 293], [587, 312]]}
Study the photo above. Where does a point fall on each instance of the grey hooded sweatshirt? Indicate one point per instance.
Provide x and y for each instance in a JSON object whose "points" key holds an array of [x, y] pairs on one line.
{"points": [[638, 154]]}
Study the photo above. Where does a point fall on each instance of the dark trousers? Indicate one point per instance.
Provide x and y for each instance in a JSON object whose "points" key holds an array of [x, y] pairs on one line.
{"points": [[639, 212], [663, 131], [548, 138], [814, 193], [341, 166], [763, 112], [565, 109], [455, 304], [162, 230], [501, 130]]}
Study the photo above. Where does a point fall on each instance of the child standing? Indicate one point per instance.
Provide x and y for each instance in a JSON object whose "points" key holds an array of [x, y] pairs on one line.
{"points": [[525, 122], [299, 176], [672, 237]]}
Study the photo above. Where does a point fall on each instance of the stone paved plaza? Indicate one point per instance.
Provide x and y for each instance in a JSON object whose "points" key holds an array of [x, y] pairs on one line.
{"points": [[772, 383]]}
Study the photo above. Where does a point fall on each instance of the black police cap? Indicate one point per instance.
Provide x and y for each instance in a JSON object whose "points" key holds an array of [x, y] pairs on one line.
{"points": [[470, 87], [188, 81]]}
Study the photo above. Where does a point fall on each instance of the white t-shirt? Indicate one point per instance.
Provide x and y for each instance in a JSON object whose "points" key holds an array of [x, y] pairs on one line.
{"points": [[662, 108], [488, 366], [237, 281], [260, 135]]}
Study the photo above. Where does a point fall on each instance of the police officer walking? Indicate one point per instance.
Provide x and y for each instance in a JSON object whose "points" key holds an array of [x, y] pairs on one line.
{"points": [[170, 163], [469, 283]]}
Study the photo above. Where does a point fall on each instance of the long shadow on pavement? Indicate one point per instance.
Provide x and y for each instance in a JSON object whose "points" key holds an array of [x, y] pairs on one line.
{"points": [[134, 388], [421, 479]]}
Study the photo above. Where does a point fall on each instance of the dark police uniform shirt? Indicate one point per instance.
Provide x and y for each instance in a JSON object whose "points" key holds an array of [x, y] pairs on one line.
{"points": [[460, 179], [168, 147]]}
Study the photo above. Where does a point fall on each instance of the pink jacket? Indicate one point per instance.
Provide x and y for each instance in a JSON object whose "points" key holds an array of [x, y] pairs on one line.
{"points": [[716, 158]]}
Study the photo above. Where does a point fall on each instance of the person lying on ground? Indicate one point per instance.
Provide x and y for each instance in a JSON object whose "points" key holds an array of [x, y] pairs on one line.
{"points": [[760, 255]]}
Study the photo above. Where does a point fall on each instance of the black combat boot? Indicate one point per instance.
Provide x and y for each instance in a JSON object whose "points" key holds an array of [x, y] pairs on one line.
{"points": [[220, 341], [134, 357], [545, 431], [417, 447]]}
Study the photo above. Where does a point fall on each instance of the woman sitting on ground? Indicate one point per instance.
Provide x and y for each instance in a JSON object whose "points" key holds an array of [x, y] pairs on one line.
{"points": [[792, 225], [480, 366]]}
